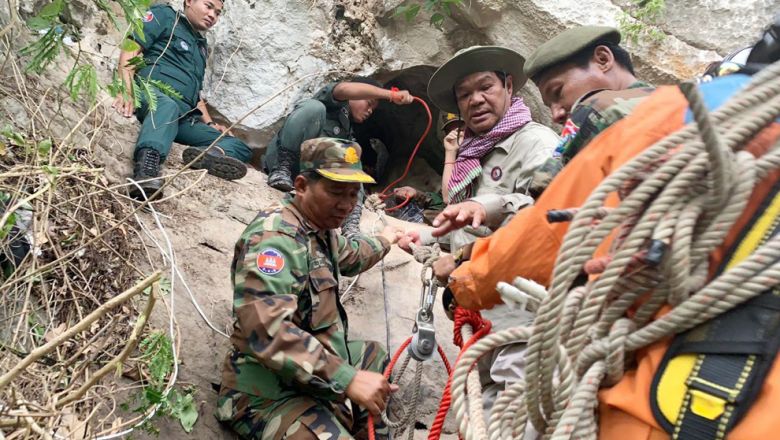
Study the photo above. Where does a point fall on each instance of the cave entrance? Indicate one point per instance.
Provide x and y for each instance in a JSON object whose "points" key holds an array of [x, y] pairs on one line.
{"points": [[399, 128]]}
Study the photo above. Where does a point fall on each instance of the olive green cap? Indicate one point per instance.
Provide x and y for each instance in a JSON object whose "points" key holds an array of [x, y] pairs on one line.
{"points": [[567, 44], [335, 159], [472, 60]]}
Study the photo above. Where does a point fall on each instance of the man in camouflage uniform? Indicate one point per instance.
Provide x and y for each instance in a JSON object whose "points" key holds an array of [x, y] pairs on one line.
{"points": [[292, 373], [332, 111], [587, 79]]}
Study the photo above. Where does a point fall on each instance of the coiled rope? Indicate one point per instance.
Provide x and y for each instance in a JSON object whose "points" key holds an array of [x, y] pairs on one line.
{"points": [[679, 198]]}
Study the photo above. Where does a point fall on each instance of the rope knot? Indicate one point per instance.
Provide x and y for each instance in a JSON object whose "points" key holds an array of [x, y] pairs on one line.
{"points": [[375, 203], [470, 317]]}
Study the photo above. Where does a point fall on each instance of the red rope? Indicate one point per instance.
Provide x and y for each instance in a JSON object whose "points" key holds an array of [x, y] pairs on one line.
{"points": [[389, 371], [481, 328], [384, 194]]}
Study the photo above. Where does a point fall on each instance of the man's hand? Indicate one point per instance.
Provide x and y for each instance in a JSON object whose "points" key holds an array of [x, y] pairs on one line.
{"points": [[370, 390], [405, 192], [124, 106], [406, 241], [392, 234], [453, 140], [401, 97], [457, 216], [443, 267]]}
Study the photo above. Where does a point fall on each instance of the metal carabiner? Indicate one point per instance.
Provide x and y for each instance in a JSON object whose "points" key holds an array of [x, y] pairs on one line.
{"points": [[423, 342]]}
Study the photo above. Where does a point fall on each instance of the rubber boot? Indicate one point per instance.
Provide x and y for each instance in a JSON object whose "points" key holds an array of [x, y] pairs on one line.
{"points": [[281, 177], [351, 226], [216, 162], [147, 166]]}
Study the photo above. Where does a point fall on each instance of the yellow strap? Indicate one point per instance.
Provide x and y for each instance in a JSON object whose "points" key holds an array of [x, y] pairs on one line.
{"points": [[672, 386]]}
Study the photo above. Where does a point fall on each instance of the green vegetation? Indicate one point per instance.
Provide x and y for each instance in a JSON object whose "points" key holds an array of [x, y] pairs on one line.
{"points": [[82, 79], [642, 20], [439, 10], [157, 357]]}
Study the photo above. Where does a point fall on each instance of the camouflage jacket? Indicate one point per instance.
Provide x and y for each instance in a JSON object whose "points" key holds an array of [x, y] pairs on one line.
{"points": [[290, 329], [590, 115]]}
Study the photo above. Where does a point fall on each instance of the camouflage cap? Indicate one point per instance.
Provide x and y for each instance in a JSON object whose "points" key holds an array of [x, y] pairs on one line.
{"points": [[335, 159], [567, 44]]}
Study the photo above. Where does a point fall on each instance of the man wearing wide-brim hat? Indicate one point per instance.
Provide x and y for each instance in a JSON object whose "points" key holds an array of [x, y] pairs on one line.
{"points": [[501, 146], [495, 161]]}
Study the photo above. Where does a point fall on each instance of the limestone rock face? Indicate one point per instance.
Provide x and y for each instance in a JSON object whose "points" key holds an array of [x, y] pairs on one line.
{"points": [[265, 47]]}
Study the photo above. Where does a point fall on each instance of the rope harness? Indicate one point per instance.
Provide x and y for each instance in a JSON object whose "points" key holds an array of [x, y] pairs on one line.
{"points": [[678, 200]]}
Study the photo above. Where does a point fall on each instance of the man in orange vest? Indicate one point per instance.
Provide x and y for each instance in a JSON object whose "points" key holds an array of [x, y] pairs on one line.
{"points": [[529, 244]]}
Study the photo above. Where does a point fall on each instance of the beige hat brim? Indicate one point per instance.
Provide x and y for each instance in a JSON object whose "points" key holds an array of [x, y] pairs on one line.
{"points": [[346, 175], [479, 59]]}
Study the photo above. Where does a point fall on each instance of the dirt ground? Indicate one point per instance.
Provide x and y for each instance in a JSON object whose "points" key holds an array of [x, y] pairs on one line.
{"points": [[203, 226]]}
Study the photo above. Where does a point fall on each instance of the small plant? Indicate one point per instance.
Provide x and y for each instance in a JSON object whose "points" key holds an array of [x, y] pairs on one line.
{"points": [[642, 20], [439, 9], [82, 79], [157, 355]]}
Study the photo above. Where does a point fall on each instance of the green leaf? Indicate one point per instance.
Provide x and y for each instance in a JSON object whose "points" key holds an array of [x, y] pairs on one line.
{"points": [[437, 19], [6, 228], [186, 411], [52, 10], [38, 23], [44, 147], [82, 80], [8, 132], [412, 12], [153, 396], [129, 45], [166, 88]]}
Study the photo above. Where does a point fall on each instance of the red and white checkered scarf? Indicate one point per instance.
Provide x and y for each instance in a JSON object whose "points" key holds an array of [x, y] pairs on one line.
{"points": [[468, 166]]}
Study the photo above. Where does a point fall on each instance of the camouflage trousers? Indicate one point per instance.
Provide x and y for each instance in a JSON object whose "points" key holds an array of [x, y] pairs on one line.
{"points": [[303, 417]]}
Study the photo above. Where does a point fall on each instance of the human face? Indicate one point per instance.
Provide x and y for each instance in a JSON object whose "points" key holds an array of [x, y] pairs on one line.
{"points": [[563, 85], [483, 100], [203, 14], [362, 109], [325, 203]]}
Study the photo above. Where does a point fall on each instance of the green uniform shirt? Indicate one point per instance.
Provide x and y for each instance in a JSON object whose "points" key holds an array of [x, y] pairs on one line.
{"points": [[593, 113], [174, 52], [290, 330], [337, 121]]}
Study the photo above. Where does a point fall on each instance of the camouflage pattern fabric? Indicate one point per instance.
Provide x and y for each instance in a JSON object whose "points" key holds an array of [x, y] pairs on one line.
{"points": [[335, 159], [304, 417], [290, 350], [590, 115]]}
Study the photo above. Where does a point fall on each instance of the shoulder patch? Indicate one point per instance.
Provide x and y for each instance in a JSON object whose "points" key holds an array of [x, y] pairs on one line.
{"points": [[149, 16], [270, 261]]}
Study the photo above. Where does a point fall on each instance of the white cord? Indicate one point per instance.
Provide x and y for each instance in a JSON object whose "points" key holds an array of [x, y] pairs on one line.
{"points": [[171, 257]]}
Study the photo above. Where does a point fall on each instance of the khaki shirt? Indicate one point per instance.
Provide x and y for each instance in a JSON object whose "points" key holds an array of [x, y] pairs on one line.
{"points": [[507, 172]]}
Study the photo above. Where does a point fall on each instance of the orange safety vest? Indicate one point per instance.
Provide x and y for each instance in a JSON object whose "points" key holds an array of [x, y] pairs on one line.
{"points": [[528, 246]]}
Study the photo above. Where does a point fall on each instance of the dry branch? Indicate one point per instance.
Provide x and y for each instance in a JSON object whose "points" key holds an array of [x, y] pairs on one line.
{"points": [[117, 361], [76, 329]]}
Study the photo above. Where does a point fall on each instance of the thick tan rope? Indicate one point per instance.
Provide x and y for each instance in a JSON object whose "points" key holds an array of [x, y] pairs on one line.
{"points": [[682, 195]]}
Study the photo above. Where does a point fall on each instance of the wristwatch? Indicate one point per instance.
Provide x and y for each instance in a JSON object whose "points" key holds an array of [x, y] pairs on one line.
{"points": [[210, 123]]}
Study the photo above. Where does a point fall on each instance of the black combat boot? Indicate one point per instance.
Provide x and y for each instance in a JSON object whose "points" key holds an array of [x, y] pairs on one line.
{"points": [[281, 177], [147, 166], [216, 162], [351, 226]]}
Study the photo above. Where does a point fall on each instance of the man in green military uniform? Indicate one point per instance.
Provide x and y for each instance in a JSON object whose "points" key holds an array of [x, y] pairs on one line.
{"points": [[292, 373], [175, 52], [588, 81], [330, 112]]}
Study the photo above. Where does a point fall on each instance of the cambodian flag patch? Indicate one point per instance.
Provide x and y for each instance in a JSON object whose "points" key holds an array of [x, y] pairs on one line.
{"points": [[270, 261], [149, 16]]}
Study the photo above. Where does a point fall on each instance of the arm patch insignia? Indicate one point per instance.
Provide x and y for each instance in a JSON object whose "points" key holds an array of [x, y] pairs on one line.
{"points": [[270, 261]]}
